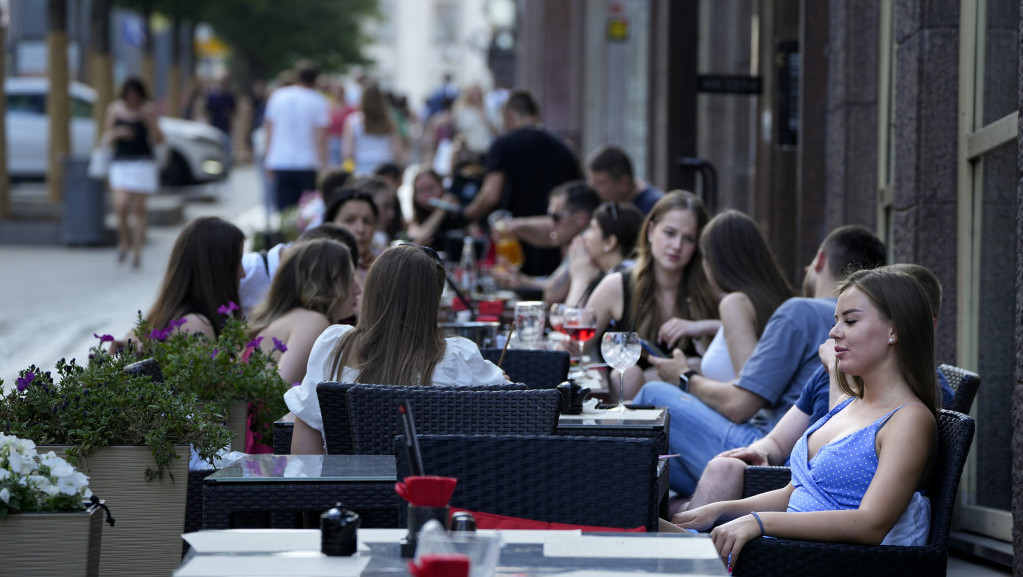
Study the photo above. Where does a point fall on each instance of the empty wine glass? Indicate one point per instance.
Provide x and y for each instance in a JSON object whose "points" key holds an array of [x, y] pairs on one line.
{"points": [[621, 351]]}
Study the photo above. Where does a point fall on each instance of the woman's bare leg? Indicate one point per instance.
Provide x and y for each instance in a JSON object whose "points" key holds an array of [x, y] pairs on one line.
{"points": [[124, 236], [138, 202]]}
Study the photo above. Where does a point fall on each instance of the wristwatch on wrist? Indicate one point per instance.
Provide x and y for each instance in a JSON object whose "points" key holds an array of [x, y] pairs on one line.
{"points": [[683, 379]]}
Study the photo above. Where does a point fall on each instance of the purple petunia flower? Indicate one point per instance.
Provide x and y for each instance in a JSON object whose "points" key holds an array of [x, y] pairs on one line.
{"points": [[254, 343], [177, 323], [213, 355], [228, 308], [24, 382], [104, 338], [280, 346], [159, 334]]}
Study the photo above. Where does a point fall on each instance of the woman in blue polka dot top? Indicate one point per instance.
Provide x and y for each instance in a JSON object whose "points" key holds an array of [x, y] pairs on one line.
{"points": [[858, 472]]}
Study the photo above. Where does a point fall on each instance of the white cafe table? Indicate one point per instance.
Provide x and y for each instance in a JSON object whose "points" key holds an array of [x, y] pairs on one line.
{"points": [[273, 552]]}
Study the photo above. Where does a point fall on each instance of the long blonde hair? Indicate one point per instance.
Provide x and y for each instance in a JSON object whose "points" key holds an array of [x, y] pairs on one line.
{"points": [[694, 297], [314, 275], [397, 340]]}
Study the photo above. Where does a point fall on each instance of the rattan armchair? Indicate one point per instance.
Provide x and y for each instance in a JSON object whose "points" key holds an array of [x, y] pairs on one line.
{"points": [[770, 557], [597, 481], [455, 410], [537, 369], [964, 384]]}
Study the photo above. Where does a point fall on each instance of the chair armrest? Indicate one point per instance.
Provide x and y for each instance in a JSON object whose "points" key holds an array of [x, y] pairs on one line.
{"points": [[282, 437], [762, 479]]}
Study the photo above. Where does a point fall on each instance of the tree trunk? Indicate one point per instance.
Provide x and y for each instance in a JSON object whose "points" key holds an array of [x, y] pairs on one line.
{"points": [[174, 78], [58, 104], [101, 68], [148, 64], [5, 197]]}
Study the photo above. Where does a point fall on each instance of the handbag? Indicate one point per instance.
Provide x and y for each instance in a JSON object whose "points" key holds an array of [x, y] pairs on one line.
{"points": [[99, 161]]}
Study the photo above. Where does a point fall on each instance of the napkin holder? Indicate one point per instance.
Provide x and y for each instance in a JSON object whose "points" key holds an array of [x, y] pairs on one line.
{"points": [[417, 517]]}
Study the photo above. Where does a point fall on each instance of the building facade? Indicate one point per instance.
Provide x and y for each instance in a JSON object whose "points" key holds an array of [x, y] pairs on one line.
{"points": [[900, 115]]}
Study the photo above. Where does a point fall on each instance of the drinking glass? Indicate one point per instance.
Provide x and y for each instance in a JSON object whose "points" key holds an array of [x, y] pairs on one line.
{"points": [[621, 351], [557, 315], [529, 321], [509, 250], [580, 324]]}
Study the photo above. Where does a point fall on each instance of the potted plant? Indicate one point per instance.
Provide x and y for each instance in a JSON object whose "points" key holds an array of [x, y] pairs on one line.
{"points": [[228, 373], [44, 499], [128, 432]]}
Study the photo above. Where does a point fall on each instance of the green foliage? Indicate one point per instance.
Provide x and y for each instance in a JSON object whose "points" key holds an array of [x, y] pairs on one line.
{"points": [[98, 405], [270, 35], [230, 368]]}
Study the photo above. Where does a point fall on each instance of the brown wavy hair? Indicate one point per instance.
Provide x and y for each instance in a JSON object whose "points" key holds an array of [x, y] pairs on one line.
{"points": [[376, 114], [314, 275], [397, 340], [694, 299]]}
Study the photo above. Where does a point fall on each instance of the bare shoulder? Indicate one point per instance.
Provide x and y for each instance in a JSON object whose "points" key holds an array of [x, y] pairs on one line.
{"points": [[197, 323], [607, 296], [911, 423], [736, 306]]}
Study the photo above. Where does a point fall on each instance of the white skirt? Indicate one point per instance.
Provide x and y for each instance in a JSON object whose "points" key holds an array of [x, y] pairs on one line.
{"points": [[134, 176]]}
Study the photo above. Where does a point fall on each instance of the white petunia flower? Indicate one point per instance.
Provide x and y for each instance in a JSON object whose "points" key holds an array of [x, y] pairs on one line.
{"points": [[58, 467], [5, 495]]}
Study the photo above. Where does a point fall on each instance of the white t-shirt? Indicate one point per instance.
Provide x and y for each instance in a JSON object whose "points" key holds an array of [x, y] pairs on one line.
{"points": [[258, 276], [295, 112], [461, 365]]}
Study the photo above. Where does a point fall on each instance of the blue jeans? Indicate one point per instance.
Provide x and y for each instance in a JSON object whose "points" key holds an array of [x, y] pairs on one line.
{"points": [[698, 433]]}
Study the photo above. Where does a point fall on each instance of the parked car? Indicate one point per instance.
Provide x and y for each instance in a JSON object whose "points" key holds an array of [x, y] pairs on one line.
{"points": [[195, 150]]}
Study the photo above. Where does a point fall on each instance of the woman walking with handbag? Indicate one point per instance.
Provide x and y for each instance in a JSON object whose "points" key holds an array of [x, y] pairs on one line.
{"points": [[132, 131]]}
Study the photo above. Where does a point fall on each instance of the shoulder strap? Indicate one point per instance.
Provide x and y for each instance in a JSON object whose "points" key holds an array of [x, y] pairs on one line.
{"points": [[266, 262]]}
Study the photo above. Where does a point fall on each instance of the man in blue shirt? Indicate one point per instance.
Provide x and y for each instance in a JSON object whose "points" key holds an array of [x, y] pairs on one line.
{"points": [[708, 416], [609, 172]]}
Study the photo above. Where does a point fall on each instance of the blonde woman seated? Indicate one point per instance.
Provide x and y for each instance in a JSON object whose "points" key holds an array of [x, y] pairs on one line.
{"points": [[312, 289], [858, 472], [397, 342]]}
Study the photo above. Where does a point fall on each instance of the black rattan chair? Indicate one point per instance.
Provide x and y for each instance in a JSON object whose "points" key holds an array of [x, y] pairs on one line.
{"points": [[770, 557], [337, 430], [597, 481], [283, 431], [537, 369], [337, 433], [964, 384], [447, 411]]}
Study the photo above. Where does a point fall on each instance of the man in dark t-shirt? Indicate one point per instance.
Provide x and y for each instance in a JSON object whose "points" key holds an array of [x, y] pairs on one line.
{"points": [[522, 167]]}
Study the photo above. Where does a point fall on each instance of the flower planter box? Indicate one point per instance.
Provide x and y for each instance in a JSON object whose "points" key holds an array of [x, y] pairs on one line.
{"points": [[150, 513], [74, 540], [237, 423]]}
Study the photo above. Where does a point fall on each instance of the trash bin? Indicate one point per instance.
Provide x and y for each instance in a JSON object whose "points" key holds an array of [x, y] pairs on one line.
{"points": [[84, 206]]}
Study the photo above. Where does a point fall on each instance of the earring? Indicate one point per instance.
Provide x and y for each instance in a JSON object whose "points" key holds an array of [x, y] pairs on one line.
{"points": [[891, 341], [607, 249]]}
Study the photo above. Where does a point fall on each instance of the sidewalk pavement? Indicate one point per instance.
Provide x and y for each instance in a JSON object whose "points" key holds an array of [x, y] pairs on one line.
{"points": [[54, 298]]}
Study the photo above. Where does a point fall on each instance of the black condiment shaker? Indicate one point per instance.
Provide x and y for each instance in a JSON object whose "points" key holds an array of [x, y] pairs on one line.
{"points": [[338, 531]]}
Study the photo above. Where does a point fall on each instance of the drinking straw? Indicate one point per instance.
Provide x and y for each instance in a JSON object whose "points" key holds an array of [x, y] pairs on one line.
{"points": [[506, 343]]}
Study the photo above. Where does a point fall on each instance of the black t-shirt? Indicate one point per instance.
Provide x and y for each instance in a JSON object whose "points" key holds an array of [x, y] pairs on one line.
{"points": [[533, 162]]}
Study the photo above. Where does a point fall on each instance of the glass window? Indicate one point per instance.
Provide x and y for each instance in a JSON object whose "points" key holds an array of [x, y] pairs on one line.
{"points": [[26, 103], [81, 108]]}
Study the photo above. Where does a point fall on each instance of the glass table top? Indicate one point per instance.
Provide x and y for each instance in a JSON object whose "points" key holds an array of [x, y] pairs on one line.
{"points": [[307, 468]]}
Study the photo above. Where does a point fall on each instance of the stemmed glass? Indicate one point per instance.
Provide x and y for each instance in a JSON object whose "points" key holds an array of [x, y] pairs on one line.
{"points": [[557, 317], [621, 351], [581, 325]]}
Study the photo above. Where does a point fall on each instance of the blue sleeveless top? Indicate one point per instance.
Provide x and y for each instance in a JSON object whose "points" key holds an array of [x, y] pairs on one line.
{"points": [[837, 477]]}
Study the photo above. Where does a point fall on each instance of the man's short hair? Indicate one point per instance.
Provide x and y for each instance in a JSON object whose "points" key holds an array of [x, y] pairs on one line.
{"points": [[522, 102], [307, 72], [578, 196], [927, 280], [612, 160], [851, 248]]}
